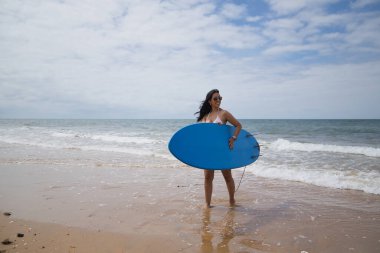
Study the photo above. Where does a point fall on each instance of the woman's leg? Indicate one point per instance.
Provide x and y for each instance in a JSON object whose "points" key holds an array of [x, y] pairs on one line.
{"points": [[230, 185], [209, 177]]}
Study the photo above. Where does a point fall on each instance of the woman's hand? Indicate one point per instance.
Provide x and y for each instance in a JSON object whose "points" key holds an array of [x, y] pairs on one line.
{"points": [[231, 142]]}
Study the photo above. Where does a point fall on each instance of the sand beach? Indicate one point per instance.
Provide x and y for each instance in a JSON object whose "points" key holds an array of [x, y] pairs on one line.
{"points": [[110, 209]]}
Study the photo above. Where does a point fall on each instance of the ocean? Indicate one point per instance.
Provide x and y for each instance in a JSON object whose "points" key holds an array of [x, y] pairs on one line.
{"points": [[340, 154]]}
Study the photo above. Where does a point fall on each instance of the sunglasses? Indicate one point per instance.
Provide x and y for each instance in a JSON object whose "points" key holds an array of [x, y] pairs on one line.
{"points": [[217, 98]]}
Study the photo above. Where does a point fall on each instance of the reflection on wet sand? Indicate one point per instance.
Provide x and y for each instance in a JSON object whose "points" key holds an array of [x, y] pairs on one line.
{"points": [[224, 228], [232, 229]]}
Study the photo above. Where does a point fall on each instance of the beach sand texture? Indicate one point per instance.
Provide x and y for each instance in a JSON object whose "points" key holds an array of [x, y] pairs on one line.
{"points": [[111, 209]]}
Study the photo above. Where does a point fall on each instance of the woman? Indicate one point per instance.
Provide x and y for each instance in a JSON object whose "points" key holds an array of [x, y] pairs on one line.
{"points": [[210, 112]]}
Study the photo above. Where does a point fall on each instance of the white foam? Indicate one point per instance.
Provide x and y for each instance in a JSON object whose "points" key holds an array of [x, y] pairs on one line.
{"points": [[133, 151], [106, 138], [63, 135], [36, 143], [282, 144], [122, 139], [356, 180], [44, 144]]}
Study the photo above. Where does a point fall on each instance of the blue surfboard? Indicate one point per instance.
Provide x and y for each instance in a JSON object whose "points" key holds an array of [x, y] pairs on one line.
{"points": [[205, 146]]}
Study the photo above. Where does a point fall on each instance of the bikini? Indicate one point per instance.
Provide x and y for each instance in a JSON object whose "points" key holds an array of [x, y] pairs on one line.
{"points": [[217, 119]]}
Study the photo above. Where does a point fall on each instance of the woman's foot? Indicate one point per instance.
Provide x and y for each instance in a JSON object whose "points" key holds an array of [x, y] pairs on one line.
{"points": [[207, 206]]}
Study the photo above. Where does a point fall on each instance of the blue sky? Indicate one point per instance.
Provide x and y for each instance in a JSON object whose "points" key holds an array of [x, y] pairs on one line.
{"points": [[158, 59]]}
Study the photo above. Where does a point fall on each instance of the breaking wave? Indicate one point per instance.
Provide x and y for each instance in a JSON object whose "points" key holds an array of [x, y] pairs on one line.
{"points": [[282, 144]]}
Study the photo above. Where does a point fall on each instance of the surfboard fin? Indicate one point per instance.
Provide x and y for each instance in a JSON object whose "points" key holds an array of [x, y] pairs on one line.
{"points": [[255, 156], [251, 135]]}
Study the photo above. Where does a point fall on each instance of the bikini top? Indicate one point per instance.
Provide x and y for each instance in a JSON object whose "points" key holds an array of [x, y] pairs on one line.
{"points": [[217, 119]]}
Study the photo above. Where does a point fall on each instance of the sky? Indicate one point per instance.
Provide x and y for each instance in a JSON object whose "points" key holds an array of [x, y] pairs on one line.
{"points": [[270, 59]]}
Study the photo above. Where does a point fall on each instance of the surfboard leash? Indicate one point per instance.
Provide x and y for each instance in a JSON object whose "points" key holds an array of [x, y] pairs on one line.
{"points": [[240, 179]]}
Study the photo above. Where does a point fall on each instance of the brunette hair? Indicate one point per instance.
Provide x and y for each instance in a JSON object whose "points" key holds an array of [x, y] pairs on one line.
{"points": [[205, 106]]}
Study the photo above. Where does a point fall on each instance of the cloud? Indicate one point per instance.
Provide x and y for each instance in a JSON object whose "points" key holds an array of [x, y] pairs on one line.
{"points": [[253, 19], [322, 33], [233, 11], [362, 3], [158, 59], [287, 7], [315, 92]]}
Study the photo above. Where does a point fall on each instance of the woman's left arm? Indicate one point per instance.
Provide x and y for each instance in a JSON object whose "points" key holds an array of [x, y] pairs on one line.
{"points": [[230, 118]]}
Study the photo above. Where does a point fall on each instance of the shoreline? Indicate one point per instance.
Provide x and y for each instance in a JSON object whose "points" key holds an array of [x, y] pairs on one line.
{"points": [[163, 208]]}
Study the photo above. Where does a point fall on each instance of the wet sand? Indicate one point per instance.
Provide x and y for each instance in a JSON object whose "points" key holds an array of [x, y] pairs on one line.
{"points": [[28, 236], [102, 208]]}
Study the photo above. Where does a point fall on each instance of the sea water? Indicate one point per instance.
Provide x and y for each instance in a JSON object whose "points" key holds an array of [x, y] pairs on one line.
{"points": [[341, 154]]}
